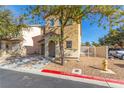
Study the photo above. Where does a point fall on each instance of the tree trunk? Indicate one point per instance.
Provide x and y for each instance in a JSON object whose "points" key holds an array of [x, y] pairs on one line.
{"points": [[62, 53], [62, 47], [61, 40]]}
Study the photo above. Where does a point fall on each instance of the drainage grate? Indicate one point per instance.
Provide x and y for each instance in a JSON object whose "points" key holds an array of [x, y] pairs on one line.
{"points": [[76, 71]]}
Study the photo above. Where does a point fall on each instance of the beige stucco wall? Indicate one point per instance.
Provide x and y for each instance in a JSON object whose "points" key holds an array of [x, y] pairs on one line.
{"points": [[73, 34]]}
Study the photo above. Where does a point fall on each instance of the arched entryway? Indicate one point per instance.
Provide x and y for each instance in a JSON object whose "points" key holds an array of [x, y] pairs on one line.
{"points": [[51, 49]]}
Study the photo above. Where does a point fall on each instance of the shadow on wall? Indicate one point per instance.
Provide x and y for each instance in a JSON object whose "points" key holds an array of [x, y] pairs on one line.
{"points": [[36, 48], [71, 52]]}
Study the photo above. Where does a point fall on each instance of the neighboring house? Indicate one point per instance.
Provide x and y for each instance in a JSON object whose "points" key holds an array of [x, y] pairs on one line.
{"points": [[25, 46], [37, 39], [31, 36], [10, 46]]}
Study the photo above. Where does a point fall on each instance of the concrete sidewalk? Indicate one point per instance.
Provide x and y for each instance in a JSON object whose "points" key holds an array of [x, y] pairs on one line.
{"points": [[89, 79], [83, 80], [14, 79]]}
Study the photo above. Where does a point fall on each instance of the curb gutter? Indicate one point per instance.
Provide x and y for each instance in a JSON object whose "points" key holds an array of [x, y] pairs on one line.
{"points": [[84, 76]]}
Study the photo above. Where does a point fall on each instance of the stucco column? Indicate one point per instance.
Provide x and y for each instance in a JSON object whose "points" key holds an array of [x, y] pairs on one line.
{"points": [[46, 47], [79, 40], [57, 51]]}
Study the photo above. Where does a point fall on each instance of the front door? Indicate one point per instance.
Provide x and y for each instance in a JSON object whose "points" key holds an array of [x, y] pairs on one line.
{"points": [[51, 49]]}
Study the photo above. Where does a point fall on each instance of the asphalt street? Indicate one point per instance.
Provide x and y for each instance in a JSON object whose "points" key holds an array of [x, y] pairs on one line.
{"points": [[14, 79]]}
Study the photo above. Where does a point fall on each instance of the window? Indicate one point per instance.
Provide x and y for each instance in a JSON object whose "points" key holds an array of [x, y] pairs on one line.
{"points": [[59, 22], [68, 44], [51, 22], [69, 22]]}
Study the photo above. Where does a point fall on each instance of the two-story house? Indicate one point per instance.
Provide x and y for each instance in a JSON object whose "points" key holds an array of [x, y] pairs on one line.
{"points": [[37, 39], [72, 39]]}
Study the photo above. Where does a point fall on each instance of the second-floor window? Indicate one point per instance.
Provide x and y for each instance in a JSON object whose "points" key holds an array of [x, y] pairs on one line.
{"points": [[69, 22], [51, 22], [60, 22]]}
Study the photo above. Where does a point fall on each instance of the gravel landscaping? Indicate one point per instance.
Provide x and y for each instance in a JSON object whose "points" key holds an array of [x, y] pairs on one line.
{"points": [[91, 66], [32, 62]]}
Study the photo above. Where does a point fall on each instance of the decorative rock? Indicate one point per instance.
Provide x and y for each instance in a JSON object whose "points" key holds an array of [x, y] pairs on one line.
{"points": [[26, 60]]}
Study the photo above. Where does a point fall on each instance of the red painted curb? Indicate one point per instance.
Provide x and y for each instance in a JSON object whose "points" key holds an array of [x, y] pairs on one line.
{"points": [[84, 76]]}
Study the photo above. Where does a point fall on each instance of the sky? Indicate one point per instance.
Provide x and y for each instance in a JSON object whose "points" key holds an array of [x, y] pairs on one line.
{"points": [[90, 33]]}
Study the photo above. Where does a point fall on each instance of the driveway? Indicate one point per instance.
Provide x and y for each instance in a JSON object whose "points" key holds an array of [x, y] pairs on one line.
{"points": [[14, 79]]}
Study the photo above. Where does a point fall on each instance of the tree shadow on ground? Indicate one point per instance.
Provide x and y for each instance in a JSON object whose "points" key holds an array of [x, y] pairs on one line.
{"points": [[120, 65], [95, 67], [56, 61]]}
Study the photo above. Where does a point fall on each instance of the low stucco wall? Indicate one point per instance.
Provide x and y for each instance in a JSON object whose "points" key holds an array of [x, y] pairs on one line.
{"points": [[102, 51], [14, 48], [20, 52]]}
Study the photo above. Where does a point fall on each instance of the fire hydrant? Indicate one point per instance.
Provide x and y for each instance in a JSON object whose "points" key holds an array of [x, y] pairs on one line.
{"points": [[105, 65]]}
